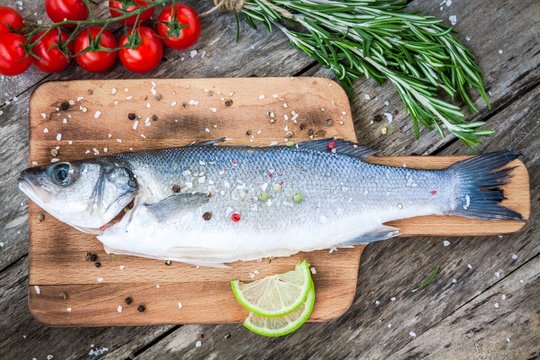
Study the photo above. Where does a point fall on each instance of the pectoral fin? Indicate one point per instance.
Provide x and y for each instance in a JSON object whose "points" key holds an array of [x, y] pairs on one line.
{"points": [[174, 204], [383, 232]]}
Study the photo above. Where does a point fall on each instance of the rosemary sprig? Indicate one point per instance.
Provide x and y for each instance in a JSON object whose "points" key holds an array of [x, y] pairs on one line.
{"points": [[377, 39]]}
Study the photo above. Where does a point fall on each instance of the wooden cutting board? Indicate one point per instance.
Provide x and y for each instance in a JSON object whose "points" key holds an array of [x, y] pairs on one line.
{"points": [[67, 289]]}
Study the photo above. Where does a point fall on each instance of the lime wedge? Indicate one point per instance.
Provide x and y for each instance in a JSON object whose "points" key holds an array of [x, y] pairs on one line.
{"points": [[281, 325], [275, 295]]}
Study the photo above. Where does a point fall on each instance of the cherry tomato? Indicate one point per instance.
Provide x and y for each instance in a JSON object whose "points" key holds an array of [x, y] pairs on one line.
{"points": [[13, 57], [50, 51], [95, 61], [10, 20], [146, 56], [129, 6], [58, 10], [179, 26]]}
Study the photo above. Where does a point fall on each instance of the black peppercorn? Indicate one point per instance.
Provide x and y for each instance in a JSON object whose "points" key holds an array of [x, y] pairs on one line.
{"points": [[141, 308], [249, 132], [176, 188], [228, 102], [98, 264], [207, 216], [128, 300], [64, 106], [132, 116], [302, 126], [154, 117]]}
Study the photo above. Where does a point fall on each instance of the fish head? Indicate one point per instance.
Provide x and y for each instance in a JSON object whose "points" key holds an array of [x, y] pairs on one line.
{"points": [[84, 194]]}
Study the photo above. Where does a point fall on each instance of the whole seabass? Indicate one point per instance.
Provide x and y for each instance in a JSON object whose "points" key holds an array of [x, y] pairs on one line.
{"points": [[209, 205]]}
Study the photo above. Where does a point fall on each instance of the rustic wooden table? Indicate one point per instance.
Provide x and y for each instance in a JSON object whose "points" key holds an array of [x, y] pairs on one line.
{"points": [[483, 304]]}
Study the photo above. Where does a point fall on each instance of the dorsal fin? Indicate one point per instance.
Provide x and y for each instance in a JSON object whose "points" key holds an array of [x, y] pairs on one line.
{"points": [[209, 142], [341, 146]]}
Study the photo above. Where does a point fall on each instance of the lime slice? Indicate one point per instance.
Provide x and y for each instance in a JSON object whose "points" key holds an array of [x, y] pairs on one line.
{"points": [[281, 325], [275, 295]]}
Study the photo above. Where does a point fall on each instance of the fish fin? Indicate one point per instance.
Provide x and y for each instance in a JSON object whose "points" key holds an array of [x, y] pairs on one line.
{"points": [[209, 142], [172, 257], [171, 205], [342, 147], [479, 191], [383, 232]]}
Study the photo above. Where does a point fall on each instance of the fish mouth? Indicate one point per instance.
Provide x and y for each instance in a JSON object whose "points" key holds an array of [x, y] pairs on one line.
{"points": [[35, 193]]}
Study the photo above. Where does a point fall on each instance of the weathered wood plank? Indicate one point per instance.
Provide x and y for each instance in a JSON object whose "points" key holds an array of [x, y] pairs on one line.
{"points": [[386, 309], [500, 323], [24, 338], [507, 74]]}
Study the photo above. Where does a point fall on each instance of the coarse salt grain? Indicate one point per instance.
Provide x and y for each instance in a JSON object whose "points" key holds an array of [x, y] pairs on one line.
{"points": [[97, 114], [367, 97], [469, 266], [393, 298], [58, 137], [198, 344], [213, 109], [498, 274], [467, 38], [68, 309], [173, 104], [313, 270], [514, 256], [193, 53], [148, 105], [503, 296], [96, 151], [37, 289], [453, 19], [122, 267], [119, 308], [53, 160], [180, 305], [412, 334], [45, 130], [119, 141], [43, 115], [446, 243], [114, 91], [49, 357], [129, 97], [496, 305], [99, 279], [389, 117], [135, 124], [454, 281], [500, 51], [193, 102], [261, 97], [34, 163]]}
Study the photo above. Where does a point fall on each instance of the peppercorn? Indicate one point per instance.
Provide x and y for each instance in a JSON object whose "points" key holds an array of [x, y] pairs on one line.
{"points": [[90, 91], [41, 217], [168, 262], [185, 104], [132, 116], [377, 118], [289, 134], [329, 122], [154, 117], [176, 188], [228, 102], [141, 308], [207, 216], [98, 264], [64, 106], [310, 132], [128, 300], [249, 132], [91, 256], [302, 126], [63, 295]]}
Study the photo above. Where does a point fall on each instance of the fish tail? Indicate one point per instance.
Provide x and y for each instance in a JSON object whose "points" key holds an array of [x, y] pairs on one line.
{"points": [[479, 191]]}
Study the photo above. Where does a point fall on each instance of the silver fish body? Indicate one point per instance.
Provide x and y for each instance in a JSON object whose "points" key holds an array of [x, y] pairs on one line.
{"points": [[210, 205]]}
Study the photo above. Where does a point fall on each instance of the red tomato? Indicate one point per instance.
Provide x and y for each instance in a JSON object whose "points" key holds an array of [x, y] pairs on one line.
{"points": [[129, 6], [13, 57], [146, 56], [95, 61], [179, 29], [58, 10], [10, 20], [51, 58]]}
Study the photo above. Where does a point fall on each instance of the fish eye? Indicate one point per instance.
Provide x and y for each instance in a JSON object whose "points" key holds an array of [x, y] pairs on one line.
{"points": [[60, 174]]}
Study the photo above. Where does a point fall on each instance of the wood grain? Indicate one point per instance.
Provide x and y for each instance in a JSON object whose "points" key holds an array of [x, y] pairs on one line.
{"points": [[193, 110], [188, 110]]}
